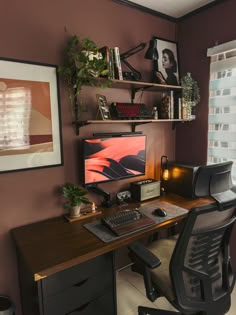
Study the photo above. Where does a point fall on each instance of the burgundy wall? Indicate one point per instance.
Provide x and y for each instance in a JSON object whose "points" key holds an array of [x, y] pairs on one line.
{"points": [[196, 35], [37, 31]]}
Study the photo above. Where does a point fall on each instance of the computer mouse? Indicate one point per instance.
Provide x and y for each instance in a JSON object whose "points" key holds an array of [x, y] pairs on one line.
{"points": [[159, 212]]}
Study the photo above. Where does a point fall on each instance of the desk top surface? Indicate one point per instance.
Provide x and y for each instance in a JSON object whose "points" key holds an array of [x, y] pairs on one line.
{"points": [[55, 244]]}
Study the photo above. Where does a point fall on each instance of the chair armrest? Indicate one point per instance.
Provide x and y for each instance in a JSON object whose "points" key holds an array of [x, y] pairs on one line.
{"points": [[147, 257]]}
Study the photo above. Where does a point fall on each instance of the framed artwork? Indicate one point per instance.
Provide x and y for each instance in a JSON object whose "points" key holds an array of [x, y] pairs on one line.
{"points": [[30, 124], [103, 108], [166, 67]]}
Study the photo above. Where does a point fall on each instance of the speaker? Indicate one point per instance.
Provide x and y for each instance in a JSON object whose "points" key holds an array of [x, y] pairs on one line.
{"points": [[145, 189], [181, 179]]}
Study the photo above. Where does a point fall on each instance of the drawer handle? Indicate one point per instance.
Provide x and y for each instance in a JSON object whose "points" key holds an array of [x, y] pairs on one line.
{"points": [[79, 284], [81, 308]]}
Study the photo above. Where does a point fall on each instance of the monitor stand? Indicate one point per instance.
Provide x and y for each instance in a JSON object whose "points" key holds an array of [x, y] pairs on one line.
{"points": [[97, 190]]}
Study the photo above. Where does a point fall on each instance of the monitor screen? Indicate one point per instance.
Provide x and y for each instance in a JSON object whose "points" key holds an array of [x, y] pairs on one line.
{"points": [[113, 158]]}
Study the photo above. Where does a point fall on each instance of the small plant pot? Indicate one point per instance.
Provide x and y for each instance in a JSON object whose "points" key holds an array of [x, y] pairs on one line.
{"points": [[75, 212]]}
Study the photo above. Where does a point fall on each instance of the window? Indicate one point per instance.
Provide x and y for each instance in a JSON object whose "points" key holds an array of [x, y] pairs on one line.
{"points": [[222, 105]]}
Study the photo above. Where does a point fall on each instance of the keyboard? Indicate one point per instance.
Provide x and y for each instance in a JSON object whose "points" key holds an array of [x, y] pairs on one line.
{"points": [[127, 221], [129, 111]]}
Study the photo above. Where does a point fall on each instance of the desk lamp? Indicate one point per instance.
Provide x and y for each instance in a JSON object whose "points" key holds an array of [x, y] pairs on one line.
{"points": [[152, 54], [164, 176], [134, 75]]}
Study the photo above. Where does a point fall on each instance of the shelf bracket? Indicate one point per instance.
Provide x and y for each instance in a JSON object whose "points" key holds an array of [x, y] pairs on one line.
{"points": [[134, 124], [78, 125], [134, 90]]}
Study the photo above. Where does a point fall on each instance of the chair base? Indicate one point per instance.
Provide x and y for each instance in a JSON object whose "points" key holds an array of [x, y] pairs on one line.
{"points": [[143, 310]]}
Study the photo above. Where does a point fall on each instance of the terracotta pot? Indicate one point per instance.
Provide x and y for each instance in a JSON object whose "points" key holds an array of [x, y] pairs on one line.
{"points": [[75, 212]]}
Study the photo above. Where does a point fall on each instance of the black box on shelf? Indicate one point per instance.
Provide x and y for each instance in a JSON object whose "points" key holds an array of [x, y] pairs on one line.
{"points": [[181, 179]]}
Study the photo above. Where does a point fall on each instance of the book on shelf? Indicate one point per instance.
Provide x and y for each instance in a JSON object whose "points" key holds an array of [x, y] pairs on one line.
{"points": [[180, 108], [105, 51], [117, 64], [111, 63], [171, 111]]}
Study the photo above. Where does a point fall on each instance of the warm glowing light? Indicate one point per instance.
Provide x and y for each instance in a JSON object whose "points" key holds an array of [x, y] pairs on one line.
{"points": [[176, 172], [165, 174]]}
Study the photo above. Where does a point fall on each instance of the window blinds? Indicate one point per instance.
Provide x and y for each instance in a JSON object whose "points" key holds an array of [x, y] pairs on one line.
{"points": [[222, 105]]}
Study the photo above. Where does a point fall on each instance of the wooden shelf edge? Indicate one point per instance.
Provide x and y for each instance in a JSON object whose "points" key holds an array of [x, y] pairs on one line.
{"points": [[133, 122], [138, 84], [82, 123]]}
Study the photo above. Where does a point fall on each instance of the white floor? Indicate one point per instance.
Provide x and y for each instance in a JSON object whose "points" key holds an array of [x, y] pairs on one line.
{"points": [[131, 293]]}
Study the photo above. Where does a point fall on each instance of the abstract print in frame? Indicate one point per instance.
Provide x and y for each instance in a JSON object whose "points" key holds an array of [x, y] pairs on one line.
{"points": [[30, 124]]}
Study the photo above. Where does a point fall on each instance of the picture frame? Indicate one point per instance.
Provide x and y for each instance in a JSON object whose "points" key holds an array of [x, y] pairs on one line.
{"points": [[166, 67], [103, 108], [30, 121]]}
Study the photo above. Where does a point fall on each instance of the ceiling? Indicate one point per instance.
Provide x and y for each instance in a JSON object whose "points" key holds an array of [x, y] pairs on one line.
{"points": [[172, 8]]}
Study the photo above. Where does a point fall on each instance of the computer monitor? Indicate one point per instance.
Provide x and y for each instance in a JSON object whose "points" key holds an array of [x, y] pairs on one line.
{"points": [[109, 158], [215, 181]]}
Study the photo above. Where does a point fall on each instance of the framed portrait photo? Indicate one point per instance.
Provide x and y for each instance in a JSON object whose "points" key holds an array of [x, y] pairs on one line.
{"points": [[103, 108], [30, 124], [166, 70]]}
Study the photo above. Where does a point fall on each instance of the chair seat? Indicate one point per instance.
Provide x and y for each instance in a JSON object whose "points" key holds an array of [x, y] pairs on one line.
{"points": [[163, 249]]}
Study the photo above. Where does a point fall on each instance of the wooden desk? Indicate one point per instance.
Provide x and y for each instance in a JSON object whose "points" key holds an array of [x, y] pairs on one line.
{"points": [[52, 253]]}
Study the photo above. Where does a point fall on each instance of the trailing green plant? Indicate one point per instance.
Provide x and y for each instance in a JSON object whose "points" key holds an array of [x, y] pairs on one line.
{"points": [[75, 196], [83, 65], [190, 90]]}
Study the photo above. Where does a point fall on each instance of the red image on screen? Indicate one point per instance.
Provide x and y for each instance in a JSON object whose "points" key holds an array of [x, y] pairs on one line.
{"points": [[113, 158]]}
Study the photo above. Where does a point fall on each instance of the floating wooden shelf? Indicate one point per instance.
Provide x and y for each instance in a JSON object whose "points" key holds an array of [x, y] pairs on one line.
{"points": [[147, 86], [134, 87], [133, 122]]}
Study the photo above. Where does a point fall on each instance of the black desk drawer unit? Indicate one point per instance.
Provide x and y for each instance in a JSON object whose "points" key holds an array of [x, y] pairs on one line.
{"points": [[76, 277], [99, 306], [88, 288], [78, 295], [85, 289]]}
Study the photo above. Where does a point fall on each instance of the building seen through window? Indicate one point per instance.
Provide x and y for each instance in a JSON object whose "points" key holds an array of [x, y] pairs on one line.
{"points": [[222, 106]]}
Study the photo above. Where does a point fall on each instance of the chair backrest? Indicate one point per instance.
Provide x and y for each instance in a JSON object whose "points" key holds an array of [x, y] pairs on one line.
{"points": [[200, 266], [213, 179]]}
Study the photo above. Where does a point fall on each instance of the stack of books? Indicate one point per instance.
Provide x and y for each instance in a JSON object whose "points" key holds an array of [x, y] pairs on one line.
{"points": [[112, 56]]}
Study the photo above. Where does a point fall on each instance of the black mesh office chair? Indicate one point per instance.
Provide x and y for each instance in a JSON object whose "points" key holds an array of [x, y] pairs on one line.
{"points": [[194, 272]]}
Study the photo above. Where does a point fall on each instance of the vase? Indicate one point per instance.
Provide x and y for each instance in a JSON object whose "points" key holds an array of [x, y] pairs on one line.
{"points": [[187, 110], [74, 212]]}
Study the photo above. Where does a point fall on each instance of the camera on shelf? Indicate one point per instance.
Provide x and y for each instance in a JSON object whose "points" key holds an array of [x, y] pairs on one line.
{"points": [[123, 196]]}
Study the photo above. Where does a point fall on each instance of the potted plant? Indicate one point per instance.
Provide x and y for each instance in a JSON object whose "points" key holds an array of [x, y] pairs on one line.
{"points": [[75, 196], [190, 94], [83, 65]]}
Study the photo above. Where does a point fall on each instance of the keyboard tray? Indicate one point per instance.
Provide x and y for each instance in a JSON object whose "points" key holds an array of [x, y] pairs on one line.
{"points": [[134, 226]]}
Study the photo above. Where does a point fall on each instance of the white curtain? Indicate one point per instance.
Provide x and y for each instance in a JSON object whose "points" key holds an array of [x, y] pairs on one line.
{"points": [[222, 105]]}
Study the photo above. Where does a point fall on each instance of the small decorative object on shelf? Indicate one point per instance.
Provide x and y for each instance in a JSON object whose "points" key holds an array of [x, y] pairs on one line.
{"points": [[164, 108], [75, 197], [93, 208], [155, 113], [190, 95], [103, 108], [83, 65]]}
